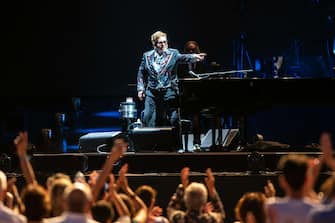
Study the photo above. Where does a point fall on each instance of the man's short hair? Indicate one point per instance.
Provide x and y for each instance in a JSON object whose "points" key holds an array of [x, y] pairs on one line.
{"points": [[294, 169], [103, 211], [195, 196], [156, 35], [77, 196]]}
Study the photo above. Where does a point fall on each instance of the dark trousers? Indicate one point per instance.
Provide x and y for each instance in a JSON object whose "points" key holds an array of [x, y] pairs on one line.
{"points": [[160, 108]]}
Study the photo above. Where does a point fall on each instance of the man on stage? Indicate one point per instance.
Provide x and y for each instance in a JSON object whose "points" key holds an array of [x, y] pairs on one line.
{"points": [[157, 81]]}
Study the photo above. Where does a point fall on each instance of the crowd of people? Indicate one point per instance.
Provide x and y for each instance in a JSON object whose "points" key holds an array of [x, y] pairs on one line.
{"points": [[103, 197]]}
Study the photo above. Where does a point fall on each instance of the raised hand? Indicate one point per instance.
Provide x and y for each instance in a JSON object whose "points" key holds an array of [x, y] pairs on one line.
{"points": [[93, 178], [156, 211], [326, 143], [210, 182], [112, 185], [208, 207], [119, 148], [122, 180], [269, 189], [21, 143], [184, 176], [200, 56], [327, 149]]}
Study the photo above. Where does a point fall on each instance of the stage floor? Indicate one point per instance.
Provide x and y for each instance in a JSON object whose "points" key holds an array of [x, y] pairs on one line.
{"points": [[164, 162]]}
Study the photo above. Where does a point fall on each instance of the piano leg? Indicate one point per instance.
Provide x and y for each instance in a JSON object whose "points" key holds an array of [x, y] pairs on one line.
{"points": [[242, 126], [219, 124], [213, 132]]}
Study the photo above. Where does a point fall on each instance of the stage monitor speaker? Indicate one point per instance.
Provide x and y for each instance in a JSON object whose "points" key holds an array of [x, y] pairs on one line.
{"points": [[96, 141], [155, 139], [229, 138]]}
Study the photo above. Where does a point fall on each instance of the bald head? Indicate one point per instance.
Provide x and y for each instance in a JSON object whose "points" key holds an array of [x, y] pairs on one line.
{"points": [[78, 198]]}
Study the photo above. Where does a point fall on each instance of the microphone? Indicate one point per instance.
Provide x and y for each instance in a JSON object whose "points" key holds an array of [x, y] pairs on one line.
{"points": [[193, 74]]}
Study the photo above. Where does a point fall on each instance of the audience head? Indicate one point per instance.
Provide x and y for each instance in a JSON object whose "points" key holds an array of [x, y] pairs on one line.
{"points": [[328, 188], [103, 212], [78, 198], [191, 47], [147, 194], [56, 195], [294, 169], [56, 176], [36, 202], [251, 206], [195, 196]]}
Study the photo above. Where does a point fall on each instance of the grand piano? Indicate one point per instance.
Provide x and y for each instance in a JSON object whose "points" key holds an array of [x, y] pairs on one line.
{"points": [[242, 96]]}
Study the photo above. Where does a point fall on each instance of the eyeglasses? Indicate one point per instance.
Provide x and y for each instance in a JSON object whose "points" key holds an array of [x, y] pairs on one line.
{"points": [[162, 42]]}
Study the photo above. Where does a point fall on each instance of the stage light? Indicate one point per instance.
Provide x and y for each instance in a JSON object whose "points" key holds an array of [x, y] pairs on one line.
{"points": [[258, 66]]}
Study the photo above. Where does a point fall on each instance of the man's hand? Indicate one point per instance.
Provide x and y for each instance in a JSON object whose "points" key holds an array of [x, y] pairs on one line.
{"points": [[326, 144], [210, 182], [141, 95], [156, 211], [200, 56], [119, 148], [122, 181], [21, 143], [327, 149], [184, 175], [269, 189]]}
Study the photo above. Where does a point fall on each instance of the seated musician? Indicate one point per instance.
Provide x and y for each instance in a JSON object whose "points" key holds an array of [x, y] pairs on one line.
{"points": [[184, 72]]}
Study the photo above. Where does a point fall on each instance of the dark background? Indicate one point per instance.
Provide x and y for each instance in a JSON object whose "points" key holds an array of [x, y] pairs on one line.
{"points": [[56, 50], [94, 47]]}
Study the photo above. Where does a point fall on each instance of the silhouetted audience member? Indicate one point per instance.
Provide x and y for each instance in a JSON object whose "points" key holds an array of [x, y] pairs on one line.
{"points": [[78, 199], [6, 214], [36, 203], [102, 211], [251, 208], [148, 196], [326, 212], [57, 189], [193, 197], [295, 206]]}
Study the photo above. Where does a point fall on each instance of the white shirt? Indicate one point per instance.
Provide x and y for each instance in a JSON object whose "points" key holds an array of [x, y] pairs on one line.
{"points": [[69, 217], [288, 210], [9, 216]]}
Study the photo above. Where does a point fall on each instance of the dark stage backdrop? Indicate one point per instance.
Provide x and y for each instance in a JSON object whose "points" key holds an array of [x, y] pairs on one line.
{"points": [[93, 48]]}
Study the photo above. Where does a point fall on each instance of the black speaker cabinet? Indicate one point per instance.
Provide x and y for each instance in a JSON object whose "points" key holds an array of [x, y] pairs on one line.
{"points": [[155, 139], [96, 141]]}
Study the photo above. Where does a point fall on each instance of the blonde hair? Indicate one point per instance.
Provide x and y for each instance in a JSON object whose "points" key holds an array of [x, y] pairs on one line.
{"points": [[156, 35]]}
